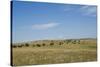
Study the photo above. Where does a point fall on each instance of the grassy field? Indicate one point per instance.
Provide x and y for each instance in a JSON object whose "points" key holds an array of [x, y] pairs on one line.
{"points": [[54, 51]]}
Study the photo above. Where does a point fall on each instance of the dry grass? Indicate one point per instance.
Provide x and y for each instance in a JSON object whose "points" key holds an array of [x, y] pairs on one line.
{"points": [[65, 53]]}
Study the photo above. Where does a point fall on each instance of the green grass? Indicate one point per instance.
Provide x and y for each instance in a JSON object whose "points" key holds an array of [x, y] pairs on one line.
{"points": [[65, 53]]}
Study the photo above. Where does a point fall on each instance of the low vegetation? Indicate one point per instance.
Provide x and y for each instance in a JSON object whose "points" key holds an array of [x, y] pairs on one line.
{"points": [[54, 51]]}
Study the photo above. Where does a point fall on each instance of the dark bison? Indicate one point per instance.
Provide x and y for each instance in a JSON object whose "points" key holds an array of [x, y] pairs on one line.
{"points": [[38, 45]]}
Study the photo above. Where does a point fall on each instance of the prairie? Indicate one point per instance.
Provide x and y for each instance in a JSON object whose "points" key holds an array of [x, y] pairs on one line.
{"points": [[54, 51]]}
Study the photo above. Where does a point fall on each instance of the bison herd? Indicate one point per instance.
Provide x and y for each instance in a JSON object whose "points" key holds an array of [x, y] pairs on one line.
{"points": [[43, 44]]}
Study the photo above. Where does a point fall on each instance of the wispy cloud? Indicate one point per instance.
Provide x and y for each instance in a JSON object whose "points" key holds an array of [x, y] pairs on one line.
{"points": [[89, 10], [44, 26]]}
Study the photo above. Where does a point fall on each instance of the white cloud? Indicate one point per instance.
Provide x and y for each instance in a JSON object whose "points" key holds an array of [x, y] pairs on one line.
{"points": [[89, 10], [44, 26]]}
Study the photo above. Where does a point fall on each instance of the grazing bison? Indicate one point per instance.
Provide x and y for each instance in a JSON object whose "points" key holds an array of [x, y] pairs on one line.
{"points": [[74, 41], [26, 44], [60, 43], [43, 44], [33, 45], [51, 44], [38, 45], [78, 41], [19, 46], [14, 46], [68, 41]]}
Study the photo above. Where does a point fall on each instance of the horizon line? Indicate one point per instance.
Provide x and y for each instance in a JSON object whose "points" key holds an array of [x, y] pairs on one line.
{"points": [[55, 39]]}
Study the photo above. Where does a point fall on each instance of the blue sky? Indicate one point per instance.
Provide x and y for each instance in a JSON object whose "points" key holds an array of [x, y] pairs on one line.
{"points": [[39, 21]]}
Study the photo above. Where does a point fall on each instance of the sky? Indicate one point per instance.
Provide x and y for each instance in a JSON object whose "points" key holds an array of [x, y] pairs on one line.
{"points": [[40, 21]]}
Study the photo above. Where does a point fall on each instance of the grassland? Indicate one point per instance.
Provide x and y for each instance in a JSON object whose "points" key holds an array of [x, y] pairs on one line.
{"points": [[54, 51]]}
